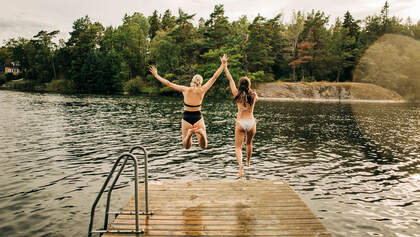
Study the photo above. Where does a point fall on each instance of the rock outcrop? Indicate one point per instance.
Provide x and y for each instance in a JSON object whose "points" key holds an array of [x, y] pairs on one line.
{"points": [[326, 91]]}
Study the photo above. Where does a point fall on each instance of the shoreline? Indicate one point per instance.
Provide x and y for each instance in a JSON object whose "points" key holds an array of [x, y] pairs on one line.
{"points": [[284, 99]]}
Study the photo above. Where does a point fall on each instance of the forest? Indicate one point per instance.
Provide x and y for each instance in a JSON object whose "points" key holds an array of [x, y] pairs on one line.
{"points": [[108, 60]]}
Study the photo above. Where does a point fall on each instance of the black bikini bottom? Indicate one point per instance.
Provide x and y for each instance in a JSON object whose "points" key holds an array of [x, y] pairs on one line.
{"points": [[192, 117]]}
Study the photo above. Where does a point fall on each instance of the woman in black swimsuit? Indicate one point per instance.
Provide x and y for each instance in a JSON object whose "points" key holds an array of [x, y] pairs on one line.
{"points": [[192, 121]]}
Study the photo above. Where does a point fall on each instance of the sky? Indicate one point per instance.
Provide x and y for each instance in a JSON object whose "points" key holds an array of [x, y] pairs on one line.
{"points": [[25, 18]]}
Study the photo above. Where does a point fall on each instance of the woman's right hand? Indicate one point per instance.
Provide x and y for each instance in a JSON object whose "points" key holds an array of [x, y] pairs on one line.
{"points": [[153, 70]]}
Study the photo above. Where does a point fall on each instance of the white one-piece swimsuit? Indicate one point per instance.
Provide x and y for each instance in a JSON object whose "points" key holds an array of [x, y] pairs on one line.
{"points": [[246, 124]]}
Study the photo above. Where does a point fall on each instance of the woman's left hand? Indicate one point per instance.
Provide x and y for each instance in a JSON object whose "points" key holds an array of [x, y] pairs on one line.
{"points": [[224, 60]]}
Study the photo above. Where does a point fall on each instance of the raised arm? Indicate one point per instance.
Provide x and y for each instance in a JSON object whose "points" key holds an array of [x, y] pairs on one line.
{"points": [[210, 82], [231, 82], [174, 86]]}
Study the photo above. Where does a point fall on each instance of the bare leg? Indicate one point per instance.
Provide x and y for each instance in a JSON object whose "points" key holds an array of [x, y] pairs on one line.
{"points": [[249, 136], [200, 132], [239, 139], [187, 132]]}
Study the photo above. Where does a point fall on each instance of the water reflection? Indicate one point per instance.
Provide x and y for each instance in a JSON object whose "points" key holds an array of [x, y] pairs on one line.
{"points": [[354, 164]]}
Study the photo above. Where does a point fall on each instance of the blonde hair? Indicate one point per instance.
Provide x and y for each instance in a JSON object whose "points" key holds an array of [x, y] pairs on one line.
{"points": [[196, 80]]}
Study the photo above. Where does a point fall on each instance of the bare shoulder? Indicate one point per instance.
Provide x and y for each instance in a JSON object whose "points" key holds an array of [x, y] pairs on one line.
{"points": [[255, 95]]}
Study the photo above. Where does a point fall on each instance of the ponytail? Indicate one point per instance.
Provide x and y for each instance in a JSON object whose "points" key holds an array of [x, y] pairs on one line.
{"points": [[245, 94]]}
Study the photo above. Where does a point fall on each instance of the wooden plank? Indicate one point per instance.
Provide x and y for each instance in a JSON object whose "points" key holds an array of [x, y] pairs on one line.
{"points": [[222, 208], [235, 227], [313, 233], [168, 220]]}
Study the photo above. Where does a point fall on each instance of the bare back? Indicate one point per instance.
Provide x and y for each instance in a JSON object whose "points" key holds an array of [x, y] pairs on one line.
{"points": [[193, 96], [246, 111]]}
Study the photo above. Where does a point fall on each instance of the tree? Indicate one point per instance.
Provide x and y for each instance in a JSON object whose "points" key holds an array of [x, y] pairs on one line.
{"points": [[238, 38], [217, 28], [341, 51], [258, 47], [168, 21], [293, 34], [85, 38], [315, 32], [154, 23], [5, 56], [186, 38], [304, 55], [352, 25], [278, 44], [131, 42]]}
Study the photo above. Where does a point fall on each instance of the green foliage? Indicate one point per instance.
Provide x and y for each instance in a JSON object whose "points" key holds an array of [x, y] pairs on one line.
{"points": [[154, 23], [22, 85], [62, 86], [212, 63], [134, 86], [2, 79], [96, 59], [257, 76], [5, 56], [390, 63], [11, 76], [168, 21]]}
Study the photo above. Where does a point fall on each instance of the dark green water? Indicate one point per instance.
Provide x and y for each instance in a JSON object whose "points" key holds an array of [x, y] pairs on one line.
{"points": [[355, 165]]}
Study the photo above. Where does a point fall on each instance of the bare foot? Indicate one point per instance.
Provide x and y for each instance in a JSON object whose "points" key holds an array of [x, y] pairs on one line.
{"points": [[241, 168]]}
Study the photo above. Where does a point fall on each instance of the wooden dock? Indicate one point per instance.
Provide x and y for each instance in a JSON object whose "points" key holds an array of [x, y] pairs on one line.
{"points": [[222, 208]]}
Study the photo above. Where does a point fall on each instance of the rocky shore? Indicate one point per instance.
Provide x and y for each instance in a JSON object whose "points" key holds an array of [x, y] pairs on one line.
{"points": [[326, 91]]}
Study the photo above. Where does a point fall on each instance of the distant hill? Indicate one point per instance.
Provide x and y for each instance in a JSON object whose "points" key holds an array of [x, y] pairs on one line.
{"points": [[326, 91], [392, 62]]}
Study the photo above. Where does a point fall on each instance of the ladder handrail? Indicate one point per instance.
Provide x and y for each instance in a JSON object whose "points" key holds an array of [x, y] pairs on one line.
{"points": [[92, 213], [146, 176], [116, 179]]}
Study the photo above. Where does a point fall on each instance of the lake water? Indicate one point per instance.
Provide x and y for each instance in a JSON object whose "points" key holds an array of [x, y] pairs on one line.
{"points": [[356, 165]]}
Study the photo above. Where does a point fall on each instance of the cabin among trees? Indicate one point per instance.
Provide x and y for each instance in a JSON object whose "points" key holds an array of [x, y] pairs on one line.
{"points": [[10, 68]]}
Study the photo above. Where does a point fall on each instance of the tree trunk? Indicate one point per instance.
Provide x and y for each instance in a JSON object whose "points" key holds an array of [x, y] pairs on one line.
{"points": [[294, 73]]}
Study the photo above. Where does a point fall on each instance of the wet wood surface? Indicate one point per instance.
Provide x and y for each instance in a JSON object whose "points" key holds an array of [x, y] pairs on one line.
{"points": [[221, 208]]}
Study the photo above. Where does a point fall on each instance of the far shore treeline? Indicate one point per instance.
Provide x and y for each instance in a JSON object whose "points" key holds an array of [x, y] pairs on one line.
{"points": [[98, 59]]}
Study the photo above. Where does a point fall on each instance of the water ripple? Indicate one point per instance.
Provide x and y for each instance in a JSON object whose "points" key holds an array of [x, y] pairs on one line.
{"points": [[355, 165]]}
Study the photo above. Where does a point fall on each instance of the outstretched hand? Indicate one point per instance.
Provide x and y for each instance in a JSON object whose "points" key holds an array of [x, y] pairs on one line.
{"points": [[153, 70], [224, 60]]}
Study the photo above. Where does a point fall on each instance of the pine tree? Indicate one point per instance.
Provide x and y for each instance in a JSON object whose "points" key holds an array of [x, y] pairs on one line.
{"points": [[168, 21], [258, 47], [351, 25], [154, 23], [217, 28]]}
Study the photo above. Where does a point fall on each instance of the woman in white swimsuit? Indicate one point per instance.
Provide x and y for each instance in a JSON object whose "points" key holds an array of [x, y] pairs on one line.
{"points": [[246, 125]]}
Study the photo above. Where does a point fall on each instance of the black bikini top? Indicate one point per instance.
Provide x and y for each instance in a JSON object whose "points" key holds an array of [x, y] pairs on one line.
{"points": [[191, 105]]}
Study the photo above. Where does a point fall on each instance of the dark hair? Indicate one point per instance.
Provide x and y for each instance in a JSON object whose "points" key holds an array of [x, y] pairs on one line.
{"points": [[244, 92]]}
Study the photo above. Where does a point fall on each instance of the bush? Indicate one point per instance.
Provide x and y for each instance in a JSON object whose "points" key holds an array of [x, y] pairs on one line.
{"points": [[257, 76], [2, 79], [10, 77], [134, 86], [308, 79], [63, 86], [22, 85]]}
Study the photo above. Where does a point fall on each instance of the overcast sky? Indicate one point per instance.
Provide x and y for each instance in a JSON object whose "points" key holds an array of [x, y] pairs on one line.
{"points": [[27, 17]]}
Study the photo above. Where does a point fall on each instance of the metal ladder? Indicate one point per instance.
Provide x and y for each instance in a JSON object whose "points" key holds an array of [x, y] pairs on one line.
{"points": [[127, 155]]}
